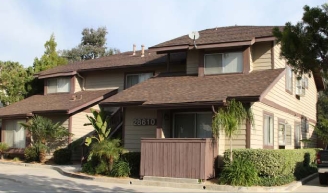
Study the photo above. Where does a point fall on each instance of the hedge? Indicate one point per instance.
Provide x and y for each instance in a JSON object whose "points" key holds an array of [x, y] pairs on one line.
{"points": [[275, 163], [133, 158]]}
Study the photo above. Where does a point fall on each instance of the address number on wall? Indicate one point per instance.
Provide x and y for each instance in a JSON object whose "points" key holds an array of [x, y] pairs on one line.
{"points": [[143, 122]]}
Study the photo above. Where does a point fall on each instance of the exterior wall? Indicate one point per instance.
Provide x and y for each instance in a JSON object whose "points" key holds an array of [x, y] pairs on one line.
{"points": [[239, 140], [261, 56], [78, 84], [133, 134], [257, 130], [116, 78], [278, 61], [78, 128], [62, 119], [304, 105], [192, 61]]}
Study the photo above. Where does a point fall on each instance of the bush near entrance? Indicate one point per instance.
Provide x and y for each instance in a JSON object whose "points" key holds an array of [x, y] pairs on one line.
{"points": [[276, 167]]}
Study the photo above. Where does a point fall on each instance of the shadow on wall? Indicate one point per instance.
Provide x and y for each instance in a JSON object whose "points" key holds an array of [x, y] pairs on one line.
{"points": [[31, 183]]}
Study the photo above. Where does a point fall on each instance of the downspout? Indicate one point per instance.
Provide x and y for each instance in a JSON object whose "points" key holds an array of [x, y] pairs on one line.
{"points": [[83, 81]]}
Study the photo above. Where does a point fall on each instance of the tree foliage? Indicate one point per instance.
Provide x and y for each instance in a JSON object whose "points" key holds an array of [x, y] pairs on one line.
{"points": [[93, 45], [305, 44], [321, 127], [50, 58], [12, 82], [100, 122], [229, 120]]}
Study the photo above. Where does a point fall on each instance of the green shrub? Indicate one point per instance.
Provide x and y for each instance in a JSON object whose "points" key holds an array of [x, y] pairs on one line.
{"points": [[102, 168], [276, 181], [241, 172], [62, 156], [16, 159], [273, 163], [31, 154], [304, 171], [133, 158], [120, 169], [88, 168]]}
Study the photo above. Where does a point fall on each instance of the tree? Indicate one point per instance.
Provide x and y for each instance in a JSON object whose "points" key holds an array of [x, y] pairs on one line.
{"points": [[93, 45], [50, 58], [229, 119], [12, 82], [305, 45], [321, 128], [100, 122]]}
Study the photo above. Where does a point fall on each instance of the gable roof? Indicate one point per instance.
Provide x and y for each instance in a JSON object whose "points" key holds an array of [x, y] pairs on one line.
{"points": [[244, 35], [55, 103], [193, 90], [123, 60]]}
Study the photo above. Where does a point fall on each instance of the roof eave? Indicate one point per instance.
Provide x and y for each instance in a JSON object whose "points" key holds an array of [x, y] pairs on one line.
{"points": [[70, 73]]}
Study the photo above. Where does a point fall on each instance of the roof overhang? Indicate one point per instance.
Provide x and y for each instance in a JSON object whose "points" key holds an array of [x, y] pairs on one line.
{"points": [[71, 73], [16, 116], [185, 47]]}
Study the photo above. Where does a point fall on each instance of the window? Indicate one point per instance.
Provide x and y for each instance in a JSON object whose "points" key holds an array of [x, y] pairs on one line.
{"points": [[223, 63], [297, 135], [193, 125], [289, 80], [268, 130], [282, 133], [58, 85], [14, 134], [133, 79], [301, 85], [304, 124]]}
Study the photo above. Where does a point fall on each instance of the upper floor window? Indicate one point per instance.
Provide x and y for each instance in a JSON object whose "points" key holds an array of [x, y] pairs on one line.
{"points": [[57, 85], [220, 63], [133, 79], [289, 79]]}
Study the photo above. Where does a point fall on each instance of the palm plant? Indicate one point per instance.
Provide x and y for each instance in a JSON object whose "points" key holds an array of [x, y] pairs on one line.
{"points": [[3, 148], [100, 122], [229, 120], [107, 150]]}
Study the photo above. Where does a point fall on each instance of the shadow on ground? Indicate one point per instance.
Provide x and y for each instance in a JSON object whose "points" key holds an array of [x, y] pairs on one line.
{"points": [[31, 183]]}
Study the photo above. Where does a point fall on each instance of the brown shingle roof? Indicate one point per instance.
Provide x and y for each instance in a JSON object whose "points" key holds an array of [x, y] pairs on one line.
{"points": [[222, 35], [62, 103], [192, 89], [122, 60]]}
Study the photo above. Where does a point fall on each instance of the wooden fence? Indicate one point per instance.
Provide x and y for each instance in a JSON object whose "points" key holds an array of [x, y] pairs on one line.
{"points": [[178, 158]]}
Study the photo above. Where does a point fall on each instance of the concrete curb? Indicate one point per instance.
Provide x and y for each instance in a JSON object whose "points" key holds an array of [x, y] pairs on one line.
{"points": [[285, 188]]}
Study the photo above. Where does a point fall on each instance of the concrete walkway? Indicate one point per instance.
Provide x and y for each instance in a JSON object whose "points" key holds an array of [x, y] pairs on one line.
{"points": [[73, 171]]}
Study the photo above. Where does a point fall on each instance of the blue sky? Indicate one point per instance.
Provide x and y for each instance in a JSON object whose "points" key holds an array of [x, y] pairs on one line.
{"points": [[27, 25]]}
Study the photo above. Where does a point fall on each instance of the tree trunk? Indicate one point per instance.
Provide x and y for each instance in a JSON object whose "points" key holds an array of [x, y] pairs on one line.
{"points": [[111, 162], [230, 149]]}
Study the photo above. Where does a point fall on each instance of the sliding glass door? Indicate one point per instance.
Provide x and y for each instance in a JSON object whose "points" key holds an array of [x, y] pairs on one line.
{"points": [[193, 125]]}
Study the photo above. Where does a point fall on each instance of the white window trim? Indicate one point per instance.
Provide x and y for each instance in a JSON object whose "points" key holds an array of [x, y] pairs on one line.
{"points": [[265, 130], [289, 70], [223, 53]]}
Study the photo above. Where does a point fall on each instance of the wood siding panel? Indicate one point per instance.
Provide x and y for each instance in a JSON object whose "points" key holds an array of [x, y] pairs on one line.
{"points": [[261, 56], [257, 130], [304, 105], [78, 128], [192, 61], [104, 80], [278, 61], [133, 134], [78, 84]]}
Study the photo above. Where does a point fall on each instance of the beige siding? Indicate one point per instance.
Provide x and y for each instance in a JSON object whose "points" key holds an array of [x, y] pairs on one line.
{"points": [[192, 61], [278, 61], [61, 119], [109, 79], [133, 134], [258, 109], [305, 105], [78, 84], [78, 128], [261, 56]]}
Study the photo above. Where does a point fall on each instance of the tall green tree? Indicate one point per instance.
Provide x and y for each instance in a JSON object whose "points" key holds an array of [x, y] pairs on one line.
{"points": [[321, 128], [12, 82], [305, 44], [50, 58], [93, 45], [229, 120]]}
